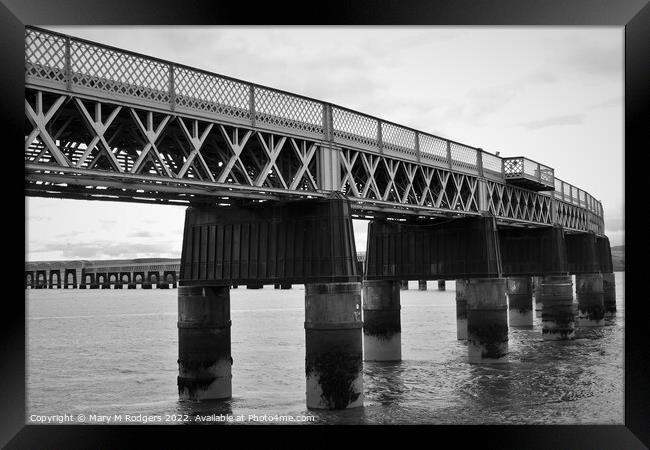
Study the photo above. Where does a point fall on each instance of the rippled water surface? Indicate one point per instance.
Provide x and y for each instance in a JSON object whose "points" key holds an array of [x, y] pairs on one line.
{"points": [[113, 352]]}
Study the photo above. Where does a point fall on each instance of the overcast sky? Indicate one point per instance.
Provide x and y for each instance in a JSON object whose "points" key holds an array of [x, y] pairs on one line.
{"points": [[553, 94]]}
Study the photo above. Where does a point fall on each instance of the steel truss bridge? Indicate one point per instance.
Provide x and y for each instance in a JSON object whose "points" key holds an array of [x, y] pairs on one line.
{"points": [[102, 123]]}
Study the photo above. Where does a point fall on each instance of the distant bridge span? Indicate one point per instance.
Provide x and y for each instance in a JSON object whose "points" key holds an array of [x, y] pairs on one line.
{"points": [[103, 123]]}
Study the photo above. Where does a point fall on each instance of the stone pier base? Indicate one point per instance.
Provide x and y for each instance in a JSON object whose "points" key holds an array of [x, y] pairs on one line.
{"points": [[487, 320], [204, 359], [333, 341], [382, 339]]}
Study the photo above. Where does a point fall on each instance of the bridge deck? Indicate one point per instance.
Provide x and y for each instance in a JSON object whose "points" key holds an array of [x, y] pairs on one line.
{"points": [[107, 124]]}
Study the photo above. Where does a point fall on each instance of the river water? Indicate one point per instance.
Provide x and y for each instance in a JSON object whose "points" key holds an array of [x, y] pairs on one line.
{"points": [[114, 352]]}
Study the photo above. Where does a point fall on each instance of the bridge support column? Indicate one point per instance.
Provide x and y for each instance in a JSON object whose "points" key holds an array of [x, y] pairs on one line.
{"points": [[589, 291], [254, 286], [404, 285], [54, 272], [422, 285], [557, 312], [67, 273], [520, 302], [461, 310], [276, 286], [29, 279], [537, 295], [609, 294], [169, 278], [441, 285], [153, 277], [487, 320], [382, 336], [87, 279], [204, 359], [285, 286], [333, 338]]}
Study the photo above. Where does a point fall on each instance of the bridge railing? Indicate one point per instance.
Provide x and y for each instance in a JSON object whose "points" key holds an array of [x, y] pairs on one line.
{"points": [[73, 64], [521, 167]]}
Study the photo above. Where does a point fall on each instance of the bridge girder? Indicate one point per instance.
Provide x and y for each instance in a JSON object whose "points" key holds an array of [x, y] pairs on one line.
{"points": [[103, 119]]}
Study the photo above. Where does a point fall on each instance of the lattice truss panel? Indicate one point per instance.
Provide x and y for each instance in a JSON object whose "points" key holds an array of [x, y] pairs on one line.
{"points": [[45, 56], [520, 204], [377, 177], [82, 134], [576, 218]]}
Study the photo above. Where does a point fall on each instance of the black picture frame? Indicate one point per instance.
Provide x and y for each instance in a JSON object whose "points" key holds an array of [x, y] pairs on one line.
{"points": [[634, 15]]}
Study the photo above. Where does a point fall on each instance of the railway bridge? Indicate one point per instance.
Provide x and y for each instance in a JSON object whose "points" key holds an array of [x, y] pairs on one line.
{"points": [[272, 181]]}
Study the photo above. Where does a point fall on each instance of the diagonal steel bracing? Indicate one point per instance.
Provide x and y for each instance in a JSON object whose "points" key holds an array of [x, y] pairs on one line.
{"points": [[98, 127], [39, 120], [197, 142], [151, 135], [272, 150], [236, 146]]}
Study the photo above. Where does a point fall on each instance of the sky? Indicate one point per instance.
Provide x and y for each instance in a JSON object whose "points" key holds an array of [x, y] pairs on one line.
{"points": [[552, 94]]}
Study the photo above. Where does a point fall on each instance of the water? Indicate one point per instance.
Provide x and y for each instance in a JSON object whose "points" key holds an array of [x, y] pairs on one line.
{"points": [[109, 352]]}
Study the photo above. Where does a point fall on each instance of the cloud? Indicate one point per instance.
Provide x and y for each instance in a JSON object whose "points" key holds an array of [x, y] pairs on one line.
{"points": [[615, 101], [141, 234], [39, 218], [571, 119], [614, 224], [107, 223], [599, 60], [539, 77], [480, 103]]}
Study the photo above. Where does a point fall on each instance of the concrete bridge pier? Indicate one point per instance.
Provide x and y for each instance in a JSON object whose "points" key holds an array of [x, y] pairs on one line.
{"points": [[29, 279], [285, 286], [54, 273], [609, 294], [254, 286], [168, 278], [487, 320], [422, 285], [382, 337], [441, 285], [114, 279], [520, 302], [204, 358], [41, 279], [86, 280], [461, 310], [333, 340], [589, 292], [66, 276], [404, 285], [537, 295], [153, 278], [557, 313]]}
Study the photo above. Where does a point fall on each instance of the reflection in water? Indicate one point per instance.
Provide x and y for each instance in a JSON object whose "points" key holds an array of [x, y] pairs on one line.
{"points": [[115, 352]]}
